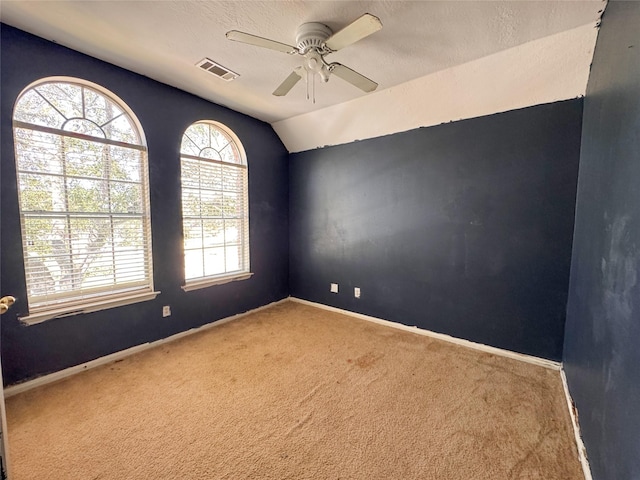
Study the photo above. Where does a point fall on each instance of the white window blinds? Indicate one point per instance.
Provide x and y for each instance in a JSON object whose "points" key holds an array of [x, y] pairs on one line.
{"points": [[84, 200]]}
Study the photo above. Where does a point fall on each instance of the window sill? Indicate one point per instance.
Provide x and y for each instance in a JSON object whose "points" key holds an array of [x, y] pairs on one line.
{"points": [[209, 282], [89, 307]]}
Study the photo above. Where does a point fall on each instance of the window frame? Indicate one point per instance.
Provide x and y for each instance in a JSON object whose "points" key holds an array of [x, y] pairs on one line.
{"points": [[245, 271], [103, 297]]}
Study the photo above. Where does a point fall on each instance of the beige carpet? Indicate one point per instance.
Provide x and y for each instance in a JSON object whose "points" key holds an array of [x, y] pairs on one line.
{"points": [[295, 392]]}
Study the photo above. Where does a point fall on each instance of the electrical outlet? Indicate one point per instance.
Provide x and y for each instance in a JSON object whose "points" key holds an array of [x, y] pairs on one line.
{"points": [[356, 292], [334, 288], [166, 311]]}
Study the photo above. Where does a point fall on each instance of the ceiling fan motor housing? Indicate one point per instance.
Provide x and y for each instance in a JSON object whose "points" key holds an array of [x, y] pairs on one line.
{"points": [[312, 36]]}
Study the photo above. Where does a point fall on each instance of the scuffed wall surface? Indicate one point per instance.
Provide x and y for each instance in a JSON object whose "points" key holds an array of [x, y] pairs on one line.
{"points": [[463, 228], [602, 354]]}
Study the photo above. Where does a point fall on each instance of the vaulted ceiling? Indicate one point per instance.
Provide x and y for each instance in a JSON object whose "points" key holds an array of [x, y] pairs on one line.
{"points": [[434, 61]]}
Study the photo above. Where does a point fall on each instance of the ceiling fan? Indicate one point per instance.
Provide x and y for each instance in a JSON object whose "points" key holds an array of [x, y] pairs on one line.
{"points": [[313, 42]]}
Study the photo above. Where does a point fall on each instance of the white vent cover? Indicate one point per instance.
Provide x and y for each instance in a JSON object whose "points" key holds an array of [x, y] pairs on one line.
{"points": [[216, 69]]}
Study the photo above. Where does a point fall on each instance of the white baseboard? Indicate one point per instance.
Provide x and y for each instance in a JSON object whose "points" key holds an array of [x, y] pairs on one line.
{"points": [[573, 411], [67, 372], [542, 362]]}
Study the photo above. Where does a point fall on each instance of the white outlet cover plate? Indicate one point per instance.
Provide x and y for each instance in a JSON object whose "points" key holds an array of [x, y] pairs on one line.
{"points": [[334, 288]]}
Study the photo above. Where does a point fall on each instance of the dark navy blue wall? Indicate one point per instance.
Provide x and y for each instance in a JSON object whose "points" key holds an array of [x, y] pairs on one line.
{"points": [[602, 338], [463, 228], [165, 113]]}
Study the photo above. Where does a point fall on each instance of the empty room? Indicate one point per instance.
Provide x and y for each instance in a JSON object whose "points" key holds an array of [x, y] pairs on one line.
{"points": [[320, 240]]}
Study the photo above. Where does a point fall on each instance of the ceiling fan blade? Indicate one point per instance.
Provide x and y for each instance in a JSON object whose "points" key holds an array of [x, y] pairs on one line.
{"points": [[357, 30], [287, 85], [237, 36], [354, 78]]}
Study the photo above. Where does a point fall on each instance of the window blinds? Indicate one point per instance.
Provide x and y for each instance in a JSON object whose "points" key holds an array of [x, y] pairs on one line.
{"points": [[215, 217], [85, 216]]}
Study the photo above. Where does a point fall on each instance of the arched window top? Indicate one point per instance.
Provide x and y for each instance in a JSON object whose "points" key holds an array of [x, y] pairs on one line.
{"points": [[209, 140], [79, 107]]}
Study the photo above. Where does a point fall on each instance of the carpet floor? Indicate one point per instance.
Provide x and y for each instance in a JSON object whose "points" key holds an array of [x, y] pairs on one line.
{"points": [[296, 392]]}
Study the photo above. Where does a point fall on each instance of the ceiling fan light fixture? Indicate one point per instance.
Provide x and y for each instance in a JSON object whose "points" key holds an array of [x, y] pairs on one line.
{"points": [[314, 65]]}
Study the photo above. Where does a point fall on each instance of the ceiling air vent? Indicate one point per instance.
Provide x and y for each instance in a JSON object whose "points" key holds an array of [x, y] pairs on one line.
{"points": [[216, 69]]}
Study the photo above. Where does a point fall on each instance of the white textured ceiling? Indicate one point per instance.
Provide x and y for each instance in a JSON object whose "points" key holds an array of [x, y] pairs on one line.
{"points": [[419, 41]]}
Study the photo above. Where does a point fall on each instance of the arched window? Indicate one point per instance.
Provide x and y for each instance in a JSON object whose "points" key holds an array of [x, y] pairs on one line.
{"points": [[215, 206], [84, 199]]}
